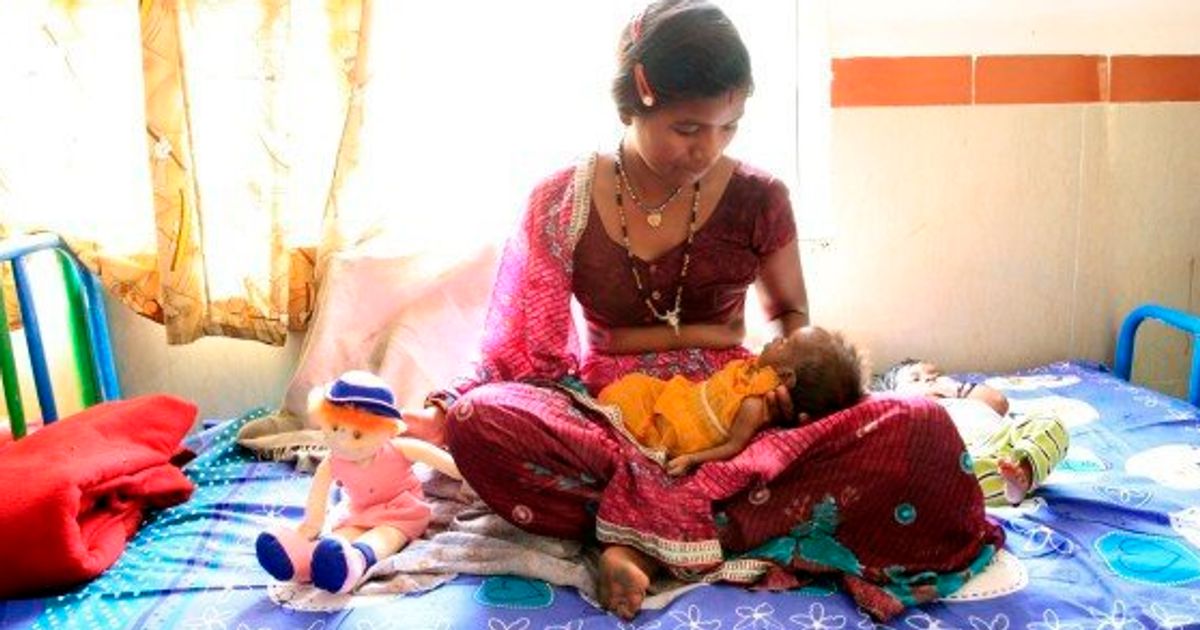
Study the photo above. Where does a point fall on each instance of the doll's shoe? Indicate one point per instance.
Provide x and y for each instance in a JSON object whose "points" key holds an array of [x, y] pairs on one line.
{"points": [[338, 565], [285, 554]]}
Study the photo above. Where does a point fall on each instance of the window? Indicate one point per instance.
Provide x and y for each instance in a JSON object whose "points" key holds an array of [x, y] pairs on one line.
{"points": [[470, 104]]}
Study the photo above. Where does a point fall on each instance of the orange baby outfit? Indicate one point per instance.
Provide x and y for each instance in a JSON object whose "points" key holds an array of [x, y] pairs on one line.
{"points": [[681, 416]]}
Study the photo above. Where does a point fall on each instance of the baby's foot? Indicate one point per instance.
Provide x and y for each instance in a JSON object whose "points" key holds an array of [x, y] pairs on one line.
{"points": [[624, 578], [1018, 479], [337, 565]]}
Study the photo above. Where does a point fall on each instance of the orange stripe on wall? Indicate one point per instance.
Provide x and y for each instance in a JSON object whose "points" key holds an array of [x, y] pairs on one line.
{"points": [[1015, 79], [1162, 78], [1040, 79], [866, 81]]}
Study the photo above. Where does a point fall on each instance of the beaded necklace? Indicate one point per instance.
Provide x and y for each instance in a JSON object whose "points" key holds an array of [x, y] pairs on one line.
{"points": [[654, 214], [670, 317]]}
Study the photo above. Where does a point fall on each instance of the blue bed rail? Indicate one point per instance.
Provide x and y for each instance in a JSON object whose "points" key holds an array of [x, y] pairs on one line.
{"points": [[91, 346], [1173, 317]]}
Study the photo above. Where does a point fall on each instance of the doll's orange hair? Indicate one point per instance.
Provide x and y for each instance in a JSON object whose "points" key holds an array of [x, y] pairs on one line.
{"points": [[328, 414]]}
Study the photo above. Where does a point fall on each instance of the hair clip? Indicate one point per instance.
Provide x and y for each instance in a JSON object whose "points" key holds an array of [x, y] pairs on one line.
{"points": [[643, 85]]}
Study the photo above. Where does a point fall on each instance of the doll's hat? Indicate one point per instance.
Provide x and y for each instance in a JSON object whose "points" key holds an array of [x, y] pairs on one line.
{"points": [[365, 391]]}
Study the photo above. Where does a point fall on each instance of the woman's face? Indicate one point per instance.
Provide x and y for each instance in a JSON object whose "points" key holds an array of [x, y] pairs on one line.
{"points": [[681, 142]]}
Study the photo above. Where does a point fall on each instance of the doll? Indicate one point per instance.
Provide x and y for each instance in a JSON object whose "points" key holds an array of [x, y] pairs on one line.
{"points": [[360, 423]]}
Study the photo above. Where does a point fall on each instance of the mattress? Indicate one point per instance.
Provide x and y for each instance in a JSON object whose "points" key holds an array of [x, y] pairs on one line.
{"points": [[1112, 541]]}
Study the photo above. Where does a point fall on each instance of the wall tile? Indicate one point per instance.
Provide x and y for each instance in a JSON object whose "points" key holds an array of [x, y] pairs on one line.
{"points": [[1040, 79], [874, 81], [1156, 78]]}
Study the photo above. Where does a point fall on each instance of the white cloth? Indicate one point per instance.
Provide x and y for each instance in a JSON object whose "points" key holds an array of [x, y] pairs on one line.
{"points": [[975, 420]]}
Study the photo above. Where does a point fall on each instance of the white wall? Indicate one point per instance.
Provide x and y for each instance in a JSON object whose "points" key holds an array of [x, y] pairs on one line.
{"points": [[225, 377], [999, 237], [866, 28]]}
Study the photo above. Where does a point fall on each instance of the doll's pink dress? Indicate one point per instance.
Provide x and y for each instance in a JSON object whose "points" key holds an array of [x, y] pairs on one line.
{"points": [[382, 492]]}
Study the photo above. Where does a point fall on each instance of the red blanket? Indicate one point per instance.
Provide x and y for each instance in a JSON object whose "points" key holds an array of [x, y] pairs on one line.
{"points": [[73, 493]]}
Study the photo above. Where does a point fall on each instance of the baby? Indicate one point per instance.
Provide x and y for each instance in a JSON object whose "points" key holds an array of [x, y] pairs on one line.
{"points": [[1012, 455], [689, 423]]}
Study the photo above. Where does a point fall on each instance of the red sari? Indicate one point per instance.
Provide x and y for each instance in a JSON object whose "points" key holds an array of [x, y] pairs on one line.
{"points": [[882, 495]]}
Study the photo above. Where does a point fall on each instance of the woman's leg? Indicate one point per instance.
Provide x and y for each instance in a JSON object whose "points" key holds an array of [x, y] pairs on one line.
{"points": [[540, 463], [876, 493], [533, 457]]}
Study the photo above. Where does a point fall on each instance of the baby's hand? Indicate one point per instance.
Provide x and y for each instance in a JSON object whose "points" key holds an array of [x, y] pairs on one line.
{"points": [[309, 530], [945, 387], [679, 465]]}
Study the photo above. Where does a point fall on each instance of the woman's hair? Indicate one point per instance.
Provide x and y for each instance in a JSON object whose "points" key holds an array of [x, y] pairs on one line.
{"points": [[830, 380], [688, 48]]}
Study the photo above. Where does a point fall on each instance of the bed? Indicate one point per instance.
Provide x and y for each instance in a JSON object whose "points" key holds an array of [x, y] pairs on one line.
{"points": [[1111, 541]]}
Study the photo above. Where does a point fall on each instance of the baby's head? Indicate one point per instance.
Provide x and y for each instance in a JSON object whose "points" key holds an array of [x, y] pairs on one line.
{"points": [[910, 376], [823, 371]]}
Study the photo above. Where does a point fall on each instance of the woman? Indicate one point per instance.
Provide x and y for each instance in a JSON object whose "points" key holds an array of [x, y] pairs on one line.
{"points": [[658, 242]]}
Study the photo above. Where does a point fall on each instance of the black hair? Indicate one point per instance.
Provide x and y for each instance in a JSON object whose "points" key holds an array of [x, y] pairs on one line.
{"points": [[886, 382], [829, 381], [688, 48]]}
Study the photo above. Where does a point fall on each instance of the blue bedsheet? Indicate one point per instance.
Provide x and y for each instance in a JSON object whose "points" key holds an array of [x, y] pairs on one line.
{"points": [[1111, 542]]}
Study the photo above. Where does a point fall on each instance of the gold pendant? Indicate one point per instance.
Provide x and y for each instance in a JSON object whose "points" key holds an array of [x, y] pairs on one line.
{"points": [[654, 220], [672, 319]]}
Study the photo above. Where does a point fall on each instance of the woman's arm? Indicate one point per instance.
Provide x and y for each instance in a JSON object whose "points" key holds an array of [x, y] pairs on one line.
{"points": [[785, 300], [781, 288], [639, 339]]}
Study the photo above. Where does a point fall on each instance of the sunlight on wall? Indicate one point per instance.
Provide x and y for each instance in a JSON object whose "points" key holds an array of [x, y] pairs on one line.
{"points": [[463, 117], [71, 128], [1015, 27]]}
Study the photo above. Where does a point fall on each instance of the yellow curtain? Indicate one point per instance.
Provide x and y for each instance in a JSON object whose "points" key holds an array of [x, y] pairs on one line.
{"points": [[210, 224], [242, 122]]}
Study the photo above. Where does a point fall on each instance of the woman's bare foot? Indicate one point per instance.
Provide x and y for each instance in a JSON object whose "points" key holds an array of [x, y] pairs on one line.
{"points": [[624, 577], [1018, 479]]}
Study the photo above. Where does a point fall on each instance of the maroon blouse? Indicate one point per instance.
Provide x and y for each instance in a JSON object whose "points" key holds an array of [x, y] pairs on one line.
{"points": [[752, 219]]}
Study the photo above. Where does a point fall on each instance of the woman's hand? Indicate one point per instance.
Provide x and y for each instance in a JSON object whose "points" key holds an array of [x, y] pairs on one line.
{"points": [[779, 405], [427, 423]]}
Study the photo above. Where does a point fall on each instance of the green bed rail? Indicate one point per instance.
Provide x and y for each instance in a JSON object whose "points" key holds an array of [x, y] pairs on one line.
{"points": [[91, 349]]}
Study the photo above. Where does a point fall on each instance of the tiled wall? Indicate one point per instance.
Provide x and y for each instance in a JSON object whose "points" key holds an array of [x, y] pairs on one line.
{"points": [[1014, 79], [999, 211]]}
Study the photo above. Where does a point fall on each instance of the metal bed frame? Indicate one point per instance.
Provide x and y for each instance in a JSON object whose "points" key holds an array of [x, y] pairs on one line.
{"points": [[1172, 317], [90, 345]]}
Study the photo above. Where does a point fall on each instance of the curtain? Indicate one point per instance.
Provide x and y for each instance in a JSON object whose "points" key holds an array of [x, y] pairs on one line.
{"points": [[191, 174], [208, 158]]}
